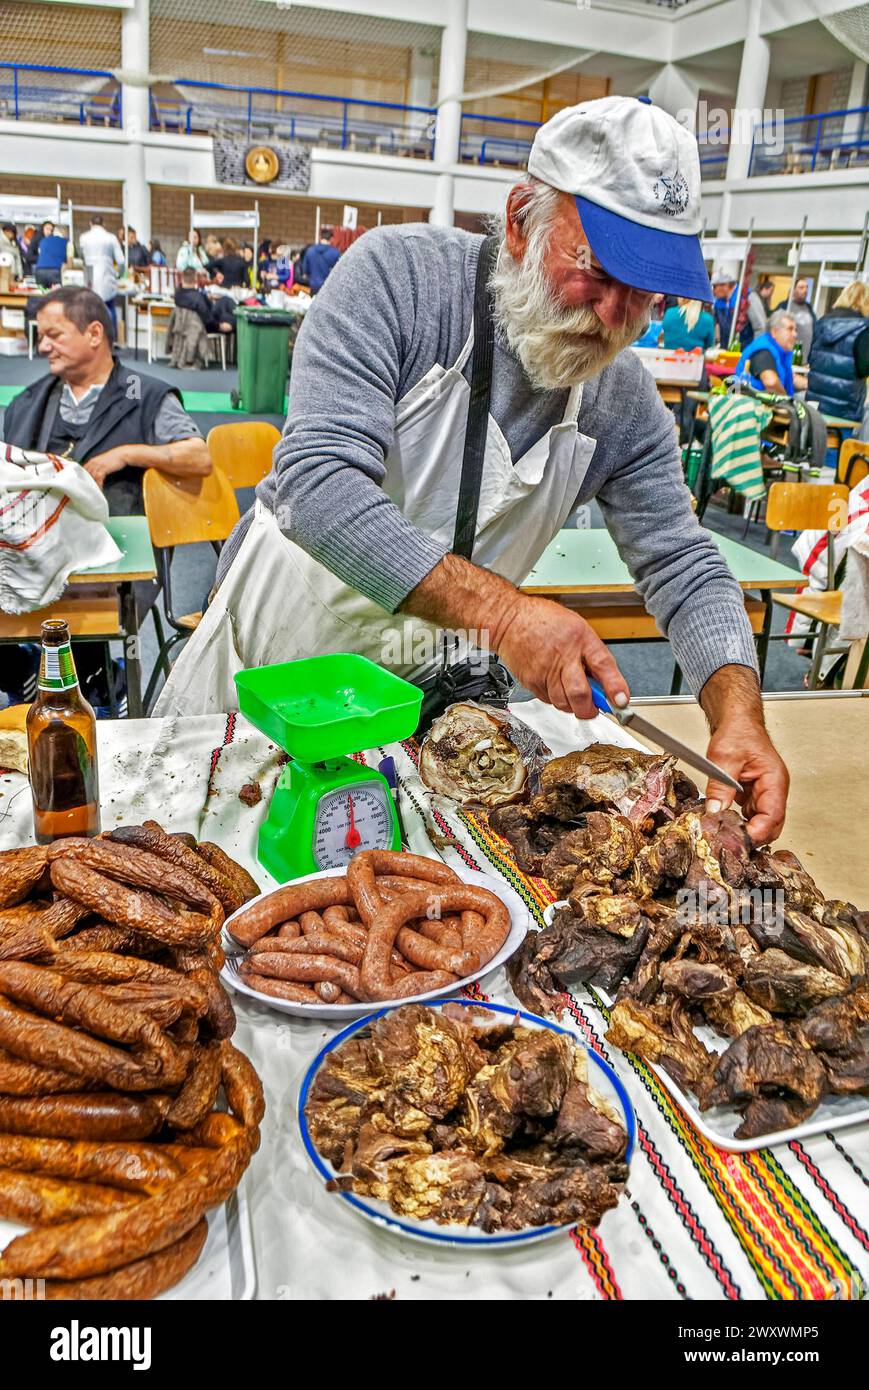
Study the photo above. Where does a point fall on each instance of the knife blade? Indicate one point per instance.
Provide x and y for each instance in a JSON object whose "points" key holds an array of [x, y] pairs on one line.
{"points": [[630, 719]]}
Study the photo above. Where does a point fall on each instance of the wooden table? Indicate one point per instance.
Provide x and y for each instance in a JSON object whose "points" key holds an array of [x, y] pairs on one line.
{"points": [[154, 307], [822, 737], [578, 567], [130, 534]]}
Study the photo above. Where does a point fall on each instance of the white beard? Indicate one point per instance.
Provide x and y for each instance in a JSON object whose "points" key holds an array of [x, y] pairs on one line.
{"points": [[557, 346]]}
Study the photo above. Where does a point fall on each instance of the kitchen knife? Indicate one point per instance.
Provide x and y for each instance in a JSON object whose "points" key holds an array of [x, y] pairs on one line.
{"points": [[630, 719]]}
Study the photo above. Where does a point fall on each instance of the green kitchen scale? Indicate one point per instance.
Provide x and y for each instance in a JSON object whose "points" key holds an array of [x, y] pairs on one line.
{"points": [[326, 807]]}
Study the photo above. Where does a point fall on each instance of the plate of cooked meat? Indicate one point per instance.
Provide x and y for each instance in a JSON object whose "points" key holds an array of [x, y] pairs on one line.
{"points": [[390, 926], [465, 1124], [726, 967]]}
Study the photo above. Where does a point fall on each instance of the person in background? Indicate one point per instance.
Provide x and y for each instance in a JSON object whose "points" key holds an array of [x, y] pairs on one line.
{"points": [[103, 256], [218, 315], [50, 258], [801, 308], [839, 361], [156, 253], [284, 272], [759, 302], [9, 243], [767, 362], [688, 325], [319, 261], [24, 245], [46, 229], [251, 267], [724, 290], [265, 258], [213, 250], [191, 253], [229, 269], [137, 254], [113, 420]]}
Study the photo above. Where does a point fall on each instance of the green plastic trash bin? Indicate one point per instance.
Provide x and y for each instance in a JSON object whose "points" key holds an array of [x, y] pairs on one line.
{"points": [[263, 337]]}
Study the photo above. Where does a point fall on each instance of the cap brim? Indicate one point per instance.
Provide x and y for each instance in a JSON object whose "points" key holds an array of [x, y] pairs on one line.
{"points": [[644, 257]]}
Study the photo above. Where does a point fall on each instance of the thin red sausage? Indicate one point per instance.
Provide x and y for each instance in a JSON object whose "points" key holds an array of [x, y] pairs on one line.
{"points": [[287, 903]]}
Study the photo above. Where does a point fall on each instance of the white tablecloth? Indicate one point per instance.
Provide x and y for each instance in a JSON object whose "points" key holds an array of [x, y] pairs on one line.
{"points": [[696, 1222]]}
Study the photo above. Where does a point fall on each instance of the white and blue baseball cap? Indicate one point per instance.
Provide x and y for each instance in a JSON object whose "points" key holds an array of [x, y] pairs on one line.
{"points": [[635, 174]]}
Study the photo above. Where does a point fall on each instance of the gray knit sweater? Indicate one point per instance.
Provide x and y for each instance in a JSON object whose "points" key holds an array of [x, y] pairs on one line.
{"points": [[398, 302]]}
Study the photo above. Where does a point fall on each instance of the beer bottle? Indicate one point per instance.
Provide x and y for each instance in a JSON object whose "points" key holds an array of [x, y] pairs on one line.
{"points": [[62, 745]]}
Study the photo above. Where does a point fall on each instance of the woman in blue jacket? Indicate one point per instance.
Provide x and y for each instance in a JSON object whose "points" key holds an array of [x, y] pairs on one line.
{"points": [[839, 359]]}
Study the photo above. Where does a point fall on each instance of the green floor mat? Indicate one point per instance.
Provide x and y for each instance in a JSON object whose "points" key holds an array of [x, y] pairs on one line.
{"points": [[8, 394]]}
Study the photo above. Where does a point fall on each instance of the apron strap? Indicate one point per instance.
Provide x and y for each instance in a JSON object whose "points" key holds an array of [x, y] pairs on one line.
{"points": [[478, 406]]}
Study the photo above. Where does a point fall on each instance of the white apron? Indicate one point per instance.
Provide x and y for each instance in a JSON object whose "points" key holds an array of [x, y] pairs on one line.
{"points": [[278, 603]]}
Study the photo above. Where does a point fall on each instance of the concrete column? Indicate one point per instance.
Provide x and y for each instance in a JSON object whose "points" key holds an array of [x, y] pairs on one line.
{"points": [[135, 65], [675, 92], [420, 87], [856, 97], [750, 94], [451, 83]]}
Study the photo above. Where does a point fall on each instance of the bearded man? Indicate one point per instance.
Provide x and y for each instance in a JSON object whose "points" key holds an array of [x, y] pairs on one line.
{"points": [[440, 372]]}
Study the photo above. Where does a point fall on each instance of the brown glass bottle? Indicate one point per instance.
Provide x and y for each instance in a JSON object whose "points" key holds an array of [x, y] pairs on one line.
{"points": [[62, 745]]}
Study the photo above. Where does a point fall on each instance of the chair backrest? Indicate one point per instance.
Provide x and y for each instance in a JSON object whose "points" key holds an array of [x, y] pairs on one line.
{"points": [[807, 507], [853, 462], [243, 450], [183, 510]]}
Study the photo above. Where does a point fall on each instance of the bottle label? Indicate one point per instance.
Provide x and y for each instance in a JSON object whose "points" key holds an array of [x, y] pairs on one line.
{"points": [[57, 671]]}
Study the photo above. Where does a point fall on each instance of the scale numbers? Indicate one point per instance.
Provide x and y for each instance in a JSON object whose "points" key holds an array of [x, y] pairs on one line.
{"points": [[351, 819]]}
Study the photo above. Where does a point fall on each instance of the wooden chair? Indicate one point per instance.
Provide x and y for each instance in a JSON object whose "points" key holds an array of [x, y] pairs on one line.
{"points": [[182, 511], [812, 507], [853, 464], [243, 451]]}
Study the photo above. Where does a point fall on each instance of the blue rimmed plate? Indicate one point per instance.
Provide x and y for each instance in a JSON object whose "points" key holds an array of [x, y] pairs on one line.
{"points": [[601, 1077]]}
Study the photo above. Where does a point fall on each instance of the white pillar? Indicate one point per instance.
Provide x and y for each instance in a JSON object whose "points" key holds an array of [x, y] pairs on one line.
{"points": [[420, 86], [675, 92], [451, 83], [856, 96], [750, 95], [135, 64]]}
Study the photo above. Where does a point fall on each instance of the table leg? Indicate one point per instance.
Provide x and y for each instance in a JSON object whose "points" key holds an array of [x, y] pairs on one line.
{"points": [[132, 655], [763, 640]]}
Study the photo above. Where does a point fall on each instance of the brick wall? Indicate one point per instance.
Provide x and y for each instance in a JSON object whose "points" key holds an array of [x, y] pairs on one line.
{"points": [[83, 194], [290, 220]]}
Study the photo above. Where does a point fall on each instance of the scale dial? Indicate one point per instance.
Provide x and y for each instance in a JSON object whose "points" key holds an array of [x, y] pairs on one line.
{"points": [[350, 819]]}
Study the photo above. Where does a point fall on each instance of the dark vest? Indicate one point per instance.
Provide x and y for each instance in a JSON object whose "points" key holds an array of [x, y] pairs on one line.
{"points": [[833, 380], [124, 414]]}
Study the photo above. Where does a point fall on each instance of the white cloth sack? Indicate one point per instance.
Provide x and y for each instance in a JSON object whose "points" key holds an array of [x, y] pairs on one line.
{"points": [[52, 523]]}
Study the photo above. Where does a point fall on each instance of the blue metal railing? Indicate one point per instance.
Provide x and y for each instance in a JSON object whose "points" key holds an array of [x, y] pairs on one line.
{"points": [[827, 140], [33, 91], [36, 91]]}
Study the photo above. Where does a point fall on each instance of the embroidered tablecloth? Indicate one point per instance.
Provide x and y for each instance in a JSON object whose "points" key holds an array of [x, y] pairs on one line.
{"points": [[695, 1223]]}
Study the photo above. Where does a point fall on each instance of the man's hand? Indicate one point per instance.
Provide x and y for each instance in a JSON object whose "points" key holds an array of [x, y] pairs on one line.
{"points": [[741, 745], [546, 647], [101, 465], [550, 650]]}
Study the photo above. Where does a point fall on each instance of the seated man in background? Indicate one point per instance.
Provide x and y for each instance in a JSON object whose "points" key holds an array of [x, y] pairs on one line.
{"points": [[217, 315], [767, 362], [112, 419]]}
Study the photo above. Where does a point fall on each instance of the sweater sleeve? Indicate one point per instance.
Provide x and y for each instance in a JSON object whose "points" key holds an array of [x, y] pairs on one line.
{"points": [[679, 571], [329, 465]]}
